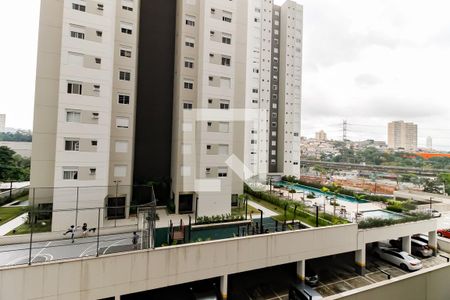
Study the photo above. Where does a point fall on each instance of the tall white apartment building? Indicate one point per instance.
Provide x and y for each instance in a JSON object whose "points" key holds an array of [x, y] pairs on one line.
{"points": [[402, 135], [195, 96], [2, 122]]}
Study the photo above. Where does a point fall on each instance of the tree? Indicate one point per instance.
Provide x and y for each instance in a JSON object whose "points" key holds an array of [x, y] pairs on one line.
{"points": [[444, 178], [13, 166], [431, 186]]}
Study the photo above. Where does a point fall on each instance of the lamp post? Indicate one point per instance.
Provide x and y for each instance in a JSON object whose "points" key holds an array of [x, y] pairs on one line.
{"points": [[246, 205], [261, 222], [117, 182]]}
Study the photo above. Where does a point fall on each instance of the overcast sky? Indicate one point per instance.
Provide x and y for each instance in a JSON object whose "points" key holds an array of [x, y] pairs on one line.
{"points": [[368, 62]]}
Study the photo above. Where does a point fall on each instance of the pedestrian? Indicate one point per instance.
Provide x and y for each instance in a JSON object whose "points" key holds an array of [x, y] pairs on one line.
{"points": [[84, 228], [71, 230], [135, 240]]}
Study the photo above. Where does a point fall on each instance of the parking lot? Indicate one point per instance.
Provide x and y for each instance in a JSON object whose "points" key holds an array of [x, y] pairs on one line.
{"points": [[337, 274], [341, 280]]}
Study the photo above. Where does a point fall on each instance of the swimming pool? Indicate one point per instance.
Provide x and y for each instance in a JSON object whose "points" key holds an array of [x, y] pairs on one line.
{"points": [[307, 190], [381, 214]]}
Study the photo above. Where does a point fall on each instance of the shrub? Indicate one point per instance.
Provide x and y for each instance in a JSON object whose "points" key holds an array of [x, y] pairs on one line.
{"points": [[378, 222], [394, 208]]}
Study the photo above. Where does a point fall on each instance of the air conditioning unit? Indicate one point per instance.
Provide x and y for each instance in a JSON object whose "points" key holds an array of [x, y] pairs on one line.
{"points": [[95, 115]]}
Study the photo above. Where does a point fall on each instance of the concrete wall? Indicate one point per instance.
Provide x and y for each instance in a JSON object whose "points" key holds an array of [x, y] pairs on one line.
{"points": [[139, 271], [392, 232], [96, 278], [429, 284]]}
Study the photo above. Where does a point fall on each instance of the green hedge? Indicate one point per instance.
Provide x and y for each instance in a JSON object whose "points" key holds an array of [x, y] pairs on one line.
{"points": [[218, 219], [378, 222]]}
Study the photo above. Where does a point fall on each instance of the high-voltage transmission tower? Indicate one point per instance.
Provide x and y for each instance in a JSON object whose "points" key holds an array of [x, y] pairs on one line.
{"points": [[344, 130]]}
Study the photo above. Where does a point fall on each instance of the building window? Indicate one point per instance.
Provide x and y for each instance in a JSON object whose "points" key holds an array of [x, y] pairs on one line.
{"points": [[189, 63], [99, 33], [127, 5], [126, 28], [72, 145], [77, 35], [224, 104], [70, 174], [185, 171], [187, 105], [226, 61], [122, 122], [124, 75], [98, 60], [73, 116], [120, 171], [189, 42], [188, 84], [121, 146], [125, 53], [74, 88], [79, 7], [190, 20], [124, 99], [224, 127], [226, 39], [222, 172], [226, 17], [94, 143]]}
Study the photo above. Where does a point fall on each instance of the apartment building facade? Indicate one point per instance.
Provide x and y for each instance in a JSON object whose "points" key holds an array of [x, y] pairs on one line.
{"points": [[205, 94], [402, 135]]}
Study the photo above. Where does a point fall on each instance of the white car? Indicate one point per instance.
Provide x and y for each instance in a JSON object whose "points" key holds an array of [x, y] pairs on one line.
{"points": [[399, 258], [434, 213]]}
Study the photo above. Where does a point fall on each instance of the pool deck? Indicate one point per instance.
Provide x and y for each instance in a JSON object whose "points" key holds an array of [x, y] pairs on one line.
{"points": [[350, 207]]}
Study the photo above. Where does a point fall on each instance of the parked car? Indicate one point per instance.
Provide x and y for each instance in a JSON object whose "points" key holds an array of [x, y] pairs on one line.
{"points": [[311, 277], [301, 291], [444, 233], [417, 247], [434, 213], [399, 258], [420, 237], [420, 248]]}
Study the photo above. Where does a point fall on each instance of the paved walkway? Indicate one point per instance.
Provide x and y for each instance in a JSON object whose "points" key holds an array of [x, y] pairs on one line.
{"points": [[266, 212], [17, 203], [13, 224]]}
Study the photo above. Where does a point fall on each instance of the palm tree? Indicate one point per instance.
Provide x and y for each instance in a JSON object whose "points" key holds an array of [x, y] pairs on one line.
{"points": [[358, 198]]}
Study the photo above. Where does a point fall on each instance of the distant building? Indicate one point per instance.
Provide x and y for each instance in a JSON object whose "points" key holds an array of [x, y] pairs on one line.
{"points": [[402, 135], [321, 136], [429, 142], [21, 148], [2, 122]]}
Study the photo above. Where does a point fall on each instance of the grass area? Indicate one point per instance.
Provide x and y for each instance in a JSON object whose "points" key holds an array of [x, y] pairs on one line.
{"points": [[9, 213], [300, 214], [41, 226], [240, 211], [22, 198]]}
